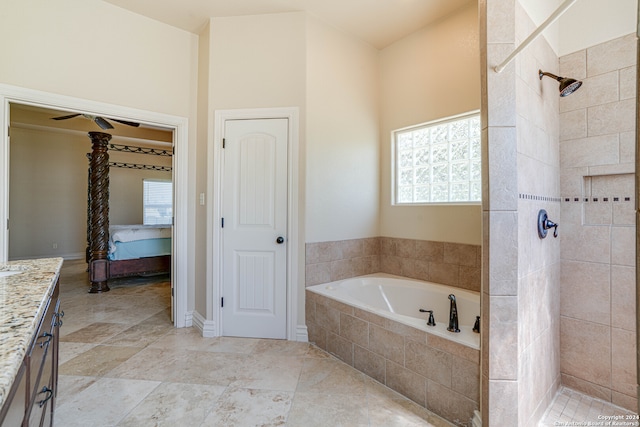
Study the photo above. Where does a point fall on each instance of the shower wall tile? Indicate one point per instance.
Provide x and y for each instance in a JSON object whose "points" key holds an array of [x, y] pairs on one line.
{"points": [[624, 401], [623, 362], [585, 350], [601, 89], [628, 147], [586, 291], [610, 118], [500, 22], [502, 179], [628, 83], [574, 124], [623, 297], [503, 338], [612, 55], [598, 150], [501, 87], [623, 242], [585, 243], [503, 244]]}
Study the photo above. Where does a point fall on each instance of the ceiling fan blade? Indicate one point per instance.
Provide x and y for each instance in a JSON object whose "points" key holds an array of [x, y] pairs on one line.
{"points": [[70, 116], [103, 123], [124, 122]]}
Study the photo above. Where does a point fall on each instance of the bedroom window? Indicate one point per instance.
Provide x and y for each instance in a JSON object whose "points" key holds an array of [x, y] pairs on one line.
{"points": [[157, 202], [438, 162]]}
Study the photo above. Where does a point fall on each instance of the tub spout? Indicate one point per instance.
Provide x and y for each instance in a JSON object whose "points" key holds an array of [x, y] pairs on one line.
{"points": [[453, 315]]}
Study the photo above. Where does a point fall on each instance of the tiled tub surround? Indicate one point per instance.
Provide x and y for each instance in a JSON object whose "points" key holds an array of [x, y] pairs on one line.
{"points": [[452, 264], [21, 305], [436, 373], [597, 153]]}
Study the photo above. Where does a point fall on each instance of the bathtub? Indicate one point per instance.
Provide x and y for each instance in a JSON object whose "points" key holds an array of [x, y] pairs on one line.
{"points": [[400, 299]]}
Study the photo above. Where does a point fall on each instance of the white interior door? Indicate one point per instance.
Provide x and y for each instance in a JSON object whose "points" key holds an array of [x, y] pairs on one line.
{"points": [[254, 229]]}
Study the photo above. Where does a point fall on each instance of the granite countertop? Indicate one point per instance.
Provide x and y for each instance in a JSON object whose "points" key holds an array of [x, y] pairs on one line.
{"points": [[22, 298]]}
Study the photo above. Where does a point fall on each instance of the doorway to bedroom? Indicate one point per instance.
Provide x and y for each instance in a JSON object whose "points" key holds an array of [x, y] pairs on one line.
{"points": [[49, 192]]}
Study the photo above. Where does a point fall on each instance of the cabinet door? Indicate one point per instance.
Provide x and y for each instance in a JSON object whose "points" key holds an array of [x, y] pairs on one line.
{"points": [[17, 403]]}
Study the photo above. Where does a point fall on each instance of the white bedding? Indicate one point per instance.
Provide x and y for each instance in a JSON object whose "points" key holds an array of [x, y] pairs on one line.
{"points": [[131, 233]]}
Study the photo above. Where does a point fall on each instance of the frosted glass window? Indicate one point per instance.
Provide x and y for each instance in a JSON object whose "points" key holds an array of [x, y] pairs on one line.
{"points": [[438, 162], [157, 199]]}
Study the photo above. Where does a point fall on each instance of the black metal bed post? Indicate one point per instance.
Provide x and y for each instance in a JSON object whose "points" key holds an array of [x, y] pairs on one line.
{"points": [[99, 206]]}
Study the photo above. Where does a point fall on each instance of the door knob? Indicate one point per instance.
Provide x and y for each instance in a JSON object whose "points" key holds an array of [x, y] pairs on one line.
{"points": [[280, 240]]}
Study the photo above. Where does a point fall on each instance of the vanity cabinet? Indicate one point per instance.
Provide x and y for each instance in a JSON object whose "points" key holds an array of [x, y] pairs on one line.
{"points": [[31, 400]]}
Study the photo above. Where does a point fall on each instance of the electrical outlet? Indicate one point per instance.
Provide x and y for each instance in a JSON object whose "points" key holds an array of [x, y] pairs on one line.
{"points": [[55, 246]]}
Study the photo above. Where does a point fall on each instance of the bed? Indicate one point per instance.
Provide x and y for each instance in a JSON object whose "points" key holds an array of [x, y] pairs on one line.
{"points": [[119, 250]]}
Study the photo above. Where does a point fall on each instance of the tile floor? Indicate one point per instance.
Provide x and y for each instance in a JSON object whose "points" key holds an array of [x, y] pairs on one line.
{"points": [[572, 408], [123, 364]]}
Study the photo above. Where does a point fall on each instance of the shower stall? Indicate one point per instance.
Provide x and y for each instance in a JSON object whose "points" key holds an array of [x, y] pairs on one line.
{"points": [[557, 312]]}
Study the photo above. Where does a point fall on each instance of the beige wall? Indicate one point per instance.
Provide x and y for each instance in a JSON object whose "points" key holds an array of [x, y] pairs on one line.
{"points": [[431, 74], [597, 155], [48, 192], [342, 176]]}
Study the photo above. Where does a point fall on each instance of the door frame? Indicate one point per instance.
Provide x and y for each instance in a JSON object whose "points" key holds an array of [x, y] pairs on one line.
{"points": [[13, 94], [214, 211]]}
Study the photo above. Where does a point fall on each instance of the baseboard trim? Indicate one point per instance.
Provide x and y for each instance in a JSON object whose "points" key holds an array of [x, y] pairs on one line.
{"points": [[206, 327], [302, 334]]}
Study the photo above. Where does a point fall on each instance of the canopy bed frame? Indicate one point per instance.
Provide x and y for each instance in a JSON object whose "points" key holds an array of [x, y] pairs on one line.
{"points": [[101, 268]]}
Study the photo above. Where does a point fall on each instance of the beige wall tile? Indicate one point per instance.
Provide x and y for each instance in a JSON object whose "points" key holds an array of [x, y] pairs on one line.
{"points": [[340, 347], [429, 362], [586, 291], [502, 168], [627, 147], [350, 248], [328, 318], [623, 362], [612, 55], [450, 404], [446, 274], [585, 350], [610, 118], [406, 382], [454, 348], [574, 124], [501, 22], [354, 330], [623, 297], [624, 401], [405, 248], [456, 253], [623, 245], [598, 150], [574, 65], [430, 251], [503, 338], [465, 378], [628, 82], [502, 399], [585, 243], [387, 344], [370, 363], [503, 253], [501, 87], [601, 89], [371, 246], [316, 274]]}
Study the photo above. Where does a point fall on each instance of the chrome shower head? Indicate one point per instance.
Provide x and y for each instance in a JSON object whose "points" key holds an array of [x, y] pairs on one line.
{"points": [[567, 85]]}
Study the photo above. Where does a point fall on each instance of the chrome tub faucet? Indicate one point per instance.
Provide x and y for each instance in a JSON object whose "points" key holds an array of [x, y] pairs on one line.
{"points": [[453, 315]]}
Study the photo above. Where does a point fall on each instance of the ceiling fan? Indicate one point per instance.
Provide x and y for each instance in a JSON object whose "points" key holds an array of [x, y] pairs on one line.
{"points": [[100, 121]]}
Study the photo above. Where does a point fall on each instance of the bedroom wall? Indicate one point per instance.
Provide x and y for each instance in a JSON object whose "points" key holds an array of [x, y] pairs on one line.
{"points": [[431, 74], [48, 192]]}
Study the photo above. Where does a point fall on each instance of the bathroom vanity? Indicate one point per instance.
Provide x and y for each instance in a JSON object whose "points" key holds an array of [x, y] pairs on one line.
{"points": [[30, 319]]}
